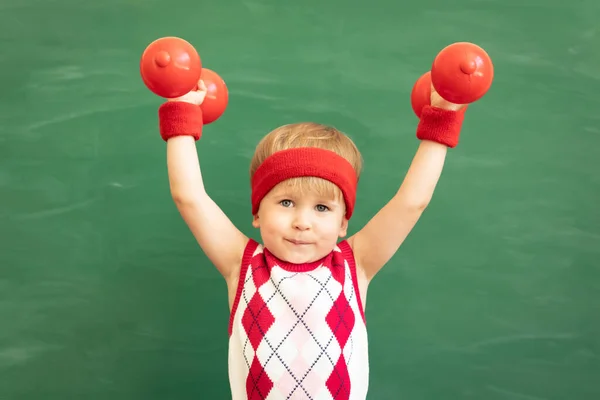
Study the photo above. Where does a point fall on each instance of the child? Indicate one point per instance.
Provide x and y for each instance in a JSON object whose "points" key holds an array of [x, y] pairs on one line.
{"points": [[297, 327]]}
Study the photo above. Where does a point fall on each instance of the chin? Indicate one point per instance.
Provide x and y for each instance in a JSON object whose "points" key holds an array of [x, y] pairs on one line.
{"points": [[299, 257]]}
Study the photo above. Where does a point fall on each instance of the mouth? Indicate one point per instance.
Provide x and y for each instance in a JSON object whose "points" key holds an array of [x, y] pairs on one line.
{"points": [[298, 242]]}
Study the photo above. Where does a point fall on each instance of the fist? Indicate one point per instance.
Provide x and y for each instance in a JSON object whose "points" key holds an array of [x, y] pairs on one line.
{"points": [[195, 96], [439, 102]]}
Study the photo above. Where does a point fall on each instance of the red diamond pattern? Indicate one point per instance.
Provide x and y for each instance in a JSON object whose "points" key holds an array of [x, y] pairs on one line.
{"points": [[260, 273], [257, 320], [339, 381], [258, 383], [341, 320]]}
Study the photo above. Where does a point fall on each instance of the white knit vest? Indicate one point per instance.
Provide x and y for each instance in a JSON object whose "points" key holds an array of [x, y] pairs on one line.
{"points": [[298, 331]]}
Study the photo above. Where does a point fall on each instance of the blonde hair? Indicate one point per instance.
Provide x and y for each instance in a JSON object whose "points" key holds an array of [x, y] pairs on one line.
{"points": [[308, 134]]}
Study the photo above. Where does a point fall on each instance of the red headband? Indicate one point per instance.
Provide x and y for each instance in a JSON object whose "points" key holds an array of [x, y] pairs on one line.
{"points": [[304, 161]]}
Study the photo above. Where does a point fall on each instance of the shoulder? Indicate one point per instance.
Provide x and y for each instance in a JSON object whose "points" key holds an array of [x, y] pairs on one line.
{"points": [[344, 248], [251, 249], [235, 281]]}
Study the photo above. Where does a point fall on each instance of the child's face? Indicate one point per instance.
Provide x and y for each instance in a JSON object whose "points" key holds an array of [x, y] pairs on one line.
{"points": [[300, 227]]}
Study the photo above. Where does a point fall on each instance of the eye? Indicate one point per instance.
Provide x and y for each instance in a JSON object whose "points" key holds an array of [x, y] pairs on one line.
{"points": [[286, 203], [322, 208]]}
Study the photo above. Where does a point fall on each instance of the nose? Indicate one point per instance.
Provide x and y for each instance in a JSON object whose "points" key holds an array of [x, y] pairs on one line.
{"points": [[301, 221]]}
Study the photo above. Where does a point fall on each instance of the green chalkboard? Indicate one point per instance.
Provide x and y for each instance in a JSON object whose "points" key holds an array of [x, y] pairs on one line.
{"points": [[104, 294]]}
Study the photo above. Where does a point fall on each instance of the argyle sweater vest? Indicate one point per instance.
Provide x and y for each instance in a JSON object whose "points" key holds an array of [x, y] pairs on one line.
{"points": [[298, 331]]}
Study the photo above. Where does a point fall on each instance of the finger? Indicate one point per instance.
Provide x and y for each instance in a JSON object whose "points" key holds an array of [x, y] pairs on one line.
{"points": [[201, 85]]}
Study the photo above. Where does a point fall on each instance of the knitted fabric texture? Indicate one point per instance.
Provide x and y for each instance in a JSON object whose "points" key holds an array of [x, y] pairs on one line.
{"points": [[298, 331], [441, 126], [305, 161], [178, 118]]}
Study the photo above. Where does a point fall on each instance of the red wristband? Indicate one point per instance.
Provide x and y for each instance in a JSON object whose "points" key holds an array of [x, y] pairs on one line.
{"points": [[179, 118], [441, 126]]}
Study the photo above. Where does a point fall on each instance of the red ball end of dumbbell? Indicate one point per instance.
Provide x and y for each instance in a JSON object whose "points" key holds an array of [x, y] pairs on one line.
{"points": [[420, 95], [170, 67], [462, 73], [217, 96]]}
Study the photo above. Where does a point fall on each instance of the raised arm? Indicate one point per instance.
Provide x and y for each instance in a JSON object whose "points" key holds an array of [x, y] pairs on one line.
{"points": [[220, 240], [381, 237]]}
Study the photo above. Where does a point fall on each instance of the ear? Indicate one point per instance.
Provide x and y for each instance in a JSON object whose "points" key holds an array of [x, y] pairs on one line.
{"points": [[255, 222], [344, 227]]}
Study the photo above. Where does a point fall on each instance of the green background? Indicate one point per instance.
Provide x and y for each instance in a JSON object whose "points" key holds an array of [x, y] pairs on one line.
{"points": [[104, 293]]}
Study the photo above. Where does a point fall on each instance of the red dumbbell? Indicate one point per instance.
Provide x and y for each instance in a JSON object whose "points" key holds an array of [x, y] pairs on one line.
{"points": [[461, 73], [170, 67]]}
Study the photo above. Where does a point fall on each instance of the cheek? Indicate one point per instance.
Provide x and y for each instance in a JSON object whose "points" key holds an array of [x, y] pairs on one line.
{"points": [[330, 228], [273, 223]]}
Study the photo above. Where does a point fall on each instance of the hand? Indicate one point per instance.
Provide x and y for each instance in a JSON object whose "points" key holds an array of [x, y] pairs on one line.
{"points": [[195, 96], [438, 102]]}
